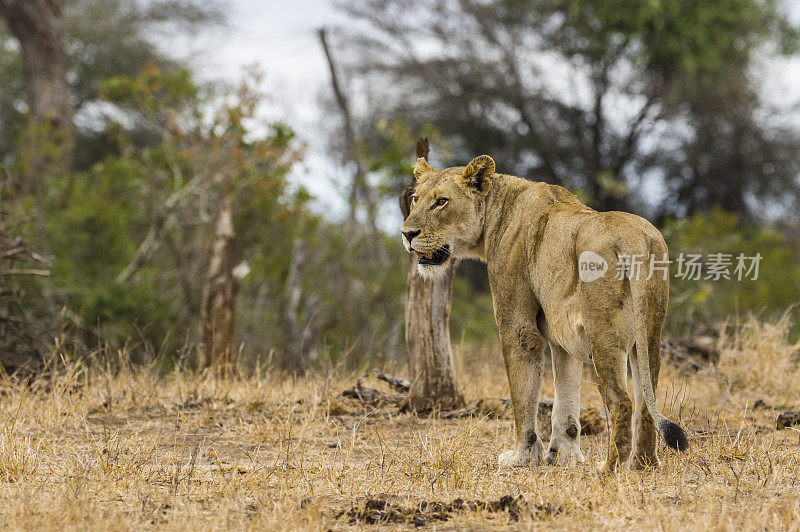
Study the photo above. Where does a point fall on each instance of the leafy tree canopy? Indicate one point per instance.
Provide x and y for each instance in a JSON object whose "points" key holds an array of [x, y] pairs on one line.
{"points": [[594, 94]]}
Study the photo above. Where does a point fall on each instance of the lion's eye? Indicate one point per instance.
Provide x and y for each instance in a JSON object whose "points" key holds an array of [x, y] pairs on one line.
{"points": [[441, 201], [414, 199]]}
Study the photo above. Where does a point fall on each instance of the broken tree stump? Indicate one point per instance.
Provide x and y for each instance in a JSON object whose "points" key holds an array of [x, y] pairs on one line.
{"points": [[219, 299], [427, 319]]}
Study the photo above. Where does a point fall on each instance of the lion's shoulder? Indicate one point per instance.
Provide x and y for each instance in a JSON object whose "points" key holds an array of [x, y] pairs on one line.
{"points": [[565, 196]]}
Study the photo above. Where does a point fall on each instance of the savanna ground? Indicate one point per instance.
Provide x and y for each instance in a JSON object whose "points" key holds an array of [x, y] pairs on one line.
{"points": [[120, 447]]}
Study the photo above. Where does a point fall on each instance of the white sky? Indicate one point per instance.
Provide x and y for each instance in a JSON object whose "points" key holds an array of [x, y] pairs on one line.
{"points": [[280, 37]]}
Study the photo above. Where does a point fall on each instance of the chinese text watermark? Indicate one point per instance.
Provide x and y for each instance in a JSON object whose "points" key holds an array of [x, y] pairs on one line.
{"points": [[688, 266]]}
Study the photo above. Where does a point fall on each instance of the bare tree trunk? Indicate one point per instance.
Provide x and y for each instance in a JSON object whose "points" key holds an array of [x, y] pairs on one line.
{"points": [[301, 315], [430, 355], [37, 26], [359, 187], [293, 351], [219, 300]]}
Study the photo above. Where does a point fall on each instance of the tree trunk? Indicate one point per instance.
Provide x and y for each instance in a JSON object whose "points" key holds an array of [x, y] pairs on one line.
{"points": [[296, 354], [36, 24], [430, 356], [219, 300], [359, 187]]}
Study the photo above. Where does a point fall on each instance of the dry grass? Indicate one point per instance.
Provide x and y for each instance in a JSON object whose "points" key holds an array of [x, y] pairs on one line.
{"points": [[137, 450]]}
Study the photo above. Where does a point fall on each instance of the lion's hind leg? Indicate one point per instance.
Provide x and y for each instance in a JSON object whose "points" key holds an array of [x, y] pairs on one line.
{"points": [[646, 436], [565, 438], [611, 367]]}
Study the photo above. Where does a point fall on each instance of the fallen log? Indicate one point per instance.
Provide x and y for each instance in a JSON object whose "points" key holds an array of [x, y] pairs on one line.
{"points": [[593, 420], [695, 352], [788, 419], [371, 396], [489, 407], [397, 384]]}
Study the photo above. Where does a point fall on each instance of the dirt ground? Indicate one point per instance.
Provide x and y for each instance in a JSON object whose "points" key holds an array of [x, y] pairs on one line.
{"points": [[130, 449]]}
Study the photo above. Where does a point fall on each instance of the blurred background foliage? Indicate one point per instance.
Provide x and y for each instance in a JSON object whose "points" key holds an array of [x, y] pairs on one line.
{"points": [[614, 99], [705, 302]]}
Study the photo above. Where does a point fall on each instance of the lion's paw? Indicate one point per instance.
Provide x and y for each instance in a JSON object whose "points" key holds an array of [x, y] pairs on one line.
{"points": [[521, 458], [563, 453], [513, 459], [604, 467], [645, 462]]}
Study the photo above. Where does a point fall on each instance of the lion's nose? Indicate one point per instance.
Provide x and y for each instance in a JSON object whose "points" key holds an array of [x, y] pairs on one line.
{"points": [[410, 235]]}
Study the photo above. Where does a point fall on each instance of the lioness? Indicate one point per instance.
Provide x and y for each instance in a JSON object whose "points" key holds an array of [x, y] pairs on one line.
{"points": [[531, 235]]}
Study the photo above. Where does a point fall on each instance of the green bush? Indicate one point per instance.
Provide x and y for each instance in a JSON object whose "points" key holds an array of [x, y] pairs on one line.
{"points": [[705, 301]]}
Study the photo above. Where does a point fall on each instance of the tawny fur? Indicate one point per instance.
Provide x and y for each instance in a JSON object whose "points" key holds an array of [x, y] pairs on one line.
{"points": [[530, 235]]}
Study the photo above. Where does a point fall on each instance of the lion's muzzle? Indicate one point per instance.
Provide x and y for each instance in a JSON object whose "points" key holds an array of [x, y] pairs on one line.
{"points": [[434, 258]]}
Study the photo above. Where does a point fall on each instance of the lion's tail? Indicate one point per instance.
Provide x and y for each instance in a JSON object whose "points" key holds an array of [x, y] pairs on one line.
{"points": [[673, 434]]}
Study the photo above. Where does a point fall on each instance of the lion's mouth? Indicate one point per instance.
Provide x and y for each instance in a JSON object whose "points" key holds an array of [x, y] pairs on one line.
{"points": [[434, 258]]}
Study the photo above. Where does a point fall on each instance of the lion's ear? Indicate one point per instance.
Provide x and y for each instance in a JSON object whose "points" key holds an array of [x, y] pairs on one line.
{"points": [[422, 167], [478, 174]]}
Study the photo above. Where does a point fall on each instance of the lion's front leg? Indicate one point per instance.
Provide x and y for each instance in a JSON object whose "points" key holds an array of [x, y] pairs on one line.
{"points": [[523, 349]]}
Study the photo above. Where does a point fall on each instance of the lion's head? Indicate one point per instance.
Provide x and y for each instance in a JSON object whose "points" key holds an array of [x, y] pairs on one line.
{"points": [[447, 210]]}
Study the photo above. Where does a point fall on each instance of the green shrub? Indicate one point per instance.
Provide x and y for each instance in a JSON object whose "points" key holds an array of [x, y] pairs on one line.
{"points": [[705, 301]]}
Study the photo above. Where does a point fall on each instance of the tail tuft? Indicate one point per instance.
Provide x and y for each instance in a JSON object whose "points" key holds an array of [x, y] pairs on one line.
{"points": [[674, 435]]}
